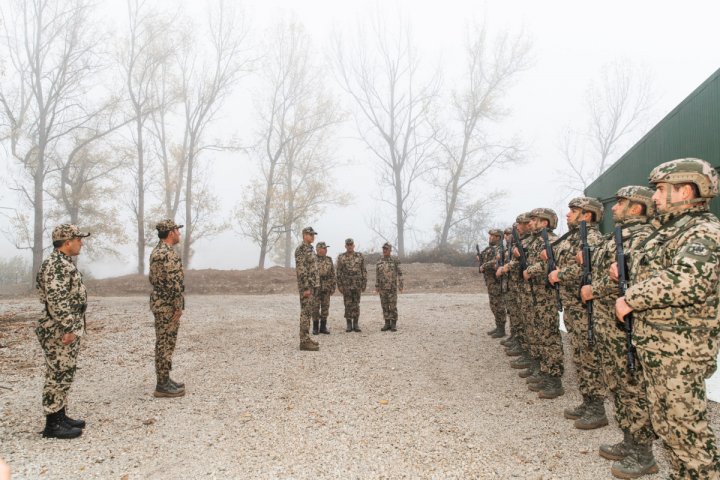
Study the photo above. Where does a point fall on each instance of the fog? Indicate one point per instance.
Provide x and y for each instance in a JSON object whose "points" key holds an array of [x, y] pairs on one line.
{"points": [[571, 42]]}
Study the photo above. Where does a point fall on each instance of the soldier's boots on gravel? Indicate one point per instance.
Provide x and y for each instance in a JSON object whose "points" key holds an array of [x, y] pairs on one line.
{"points": [[56, 427], [310, 345], [393, 326], [316, 325], [620, 450], [538, 382], [594, 415], [499, 333], [349, 327], [574, 413], [552, 388], [70, 421], [179, 385], [511, 340], [323, 327], [166, 389], [355, 325], [493, 331], [521, 362], [640, 461], [535, 376], [385, 327], [514, 351]]}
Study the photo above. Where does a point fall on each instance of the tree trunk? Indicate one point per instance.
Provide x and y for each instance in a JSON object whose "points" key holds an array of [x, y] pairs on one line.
{"points": [[399, 217], [188, 205], [140, 214]]}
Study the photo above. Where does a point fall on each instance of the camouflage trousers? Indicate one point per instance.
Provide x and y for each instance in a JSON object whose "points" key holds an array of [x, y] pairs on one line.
{"points": [[632, 409], [675, 383], [526, 309], [587, 360], [513, 303], [497, 304], [307, 306], [321, 309], [547, 339], [166, 332], [351, 299], [388, 302], [60, 366]]}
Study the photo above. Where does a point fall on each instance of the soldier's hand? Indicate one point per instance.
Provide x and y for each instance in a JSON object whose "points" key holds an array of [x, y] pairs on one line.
{"points": [[307, 293], [68, 338], [554, 277], [482, 269], [516, 252], [543, 255], [499, 272], [401, 290], [579, 257], [477, 258], [526, 275], [622, 309], [586, 293], [177, 315], [613, 271]]}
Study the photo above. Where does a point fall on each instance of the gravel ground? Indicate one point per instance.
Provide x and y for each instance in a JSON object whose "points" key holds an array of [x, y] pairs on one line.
{"points": [[437, 399]]}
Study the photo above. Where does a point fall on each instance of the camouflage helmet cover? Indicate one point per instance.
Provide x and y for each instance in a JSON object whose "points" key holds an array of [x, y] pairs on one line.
{"points": [[496, 231], [589, 204], [688, 170], [639, 194], [322, 245], [167, 225], [508, 231], [546, 214], [67, 231], [523, 218]]}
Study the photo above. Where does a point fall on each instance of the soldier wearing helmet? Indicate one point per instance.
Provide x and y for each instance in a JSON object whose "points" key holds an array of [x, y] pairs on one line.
{"points": [[510, 286], [590, 414], [546, 343], [634, 454], [488, 267], [674, 297]]}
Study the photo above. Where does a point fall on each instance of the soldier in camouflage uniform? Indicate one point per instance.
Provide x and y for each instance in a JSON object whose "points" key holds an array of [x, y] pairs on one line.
{"points": [[388, 280], [352, 281], [167, 302], [308, 280], [674, 297], [632, 411], [546, 342], [61, 290], [488, 266], [590, 414], [326, 271], [511, 292]]}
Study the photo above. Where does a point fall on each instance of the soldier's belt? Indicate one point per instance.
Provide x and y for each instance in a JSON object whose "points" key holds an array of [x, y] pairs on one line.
{"points": [[664, 327]]}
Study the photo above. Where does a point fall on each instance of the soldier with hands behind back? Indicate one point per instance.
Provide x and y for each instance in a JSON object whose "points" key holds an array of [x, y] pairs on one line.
{"points": [[326, 270], [308, 281], [352, 281], [388, 280]]}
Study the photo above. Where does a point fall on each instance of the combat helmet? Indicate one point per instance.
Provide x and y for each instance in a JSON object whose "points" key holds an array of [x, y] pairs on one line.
{"points": [[496, 231], [523, 218], [639, 194], [589, 204], [688, 170], [547, 214]]}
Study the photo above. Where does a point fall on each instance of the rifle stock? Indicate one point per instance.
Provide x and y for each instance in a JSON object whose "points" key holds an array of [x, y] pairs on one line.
{"points": [[587, 280], [550, 268], [523, 262], [622, 287]]}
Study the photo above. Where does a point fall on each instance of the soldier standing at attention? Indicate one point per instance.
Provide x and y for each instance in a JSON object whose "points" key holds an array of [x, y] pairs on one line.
{"points": [[488, 267], [388, 280], [167, 303], [61, 289], [674, 296], [352, 281], [326, 270], [308, 281]]}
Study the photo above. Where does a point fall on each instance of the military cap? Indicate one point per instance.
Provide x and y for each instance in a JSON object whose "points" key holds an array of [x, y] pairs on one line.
{"points": [[546, 214], [688, 170], [309, 230], [496, 232], [349, 241], [67, 231], [508, 231], [167, 225], [387, 245], [639, 194], [321, 245], [589, 204], [523, 218]]}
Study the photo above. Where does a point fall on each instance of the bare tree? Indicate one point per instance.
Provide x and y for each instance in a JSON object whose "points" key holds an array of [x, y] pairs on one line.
{"points": [[382, 75], [619, 106], [476, 217], [44, 98], [468, 148]]}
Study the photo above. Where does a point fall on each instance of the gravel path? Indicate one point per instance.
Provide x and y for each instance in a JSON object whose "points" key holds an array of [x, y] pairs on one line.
{"points": [[437, 399]]}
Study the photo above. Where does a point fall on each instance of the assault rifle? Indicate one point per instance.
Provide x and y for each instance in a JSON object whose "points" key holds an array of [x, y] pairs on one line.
{"points": [[501, 263], [477, 249], [550, 268], [586, 279], [622, 287], [523, 262]]}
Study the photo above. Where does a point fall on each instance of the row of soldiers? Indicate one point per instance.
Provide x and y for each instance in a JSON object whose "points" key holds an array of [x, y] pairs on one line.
{"points": [[640, 306], [317, 280]]}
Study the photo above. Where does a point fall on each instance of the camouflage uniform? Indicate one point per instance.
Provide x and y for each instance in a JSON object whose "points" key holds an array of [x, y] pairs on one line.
{"points": [[388, 279], [488, 265], [674, 293], [520, 297], [308, 278], [512, 294], [352, 281], [326, 272], [60, 287]]}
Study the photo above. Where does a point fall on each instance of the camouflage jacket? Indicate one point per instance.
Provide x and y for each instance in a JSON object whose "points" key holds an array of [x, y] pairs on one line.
{"points": [[167, 278], [674, 279], [515, 273], [633, 233], [60, 287], [388, 274], [351, 271], [565, 249], [306, 268], [326, 270], [488, 262], [537, 268]]}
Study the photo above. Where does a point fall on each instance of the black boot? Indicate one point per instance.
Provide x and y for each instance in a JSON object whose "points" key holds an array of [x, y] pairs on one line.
{"points": [[356, 326], [493, 331], [500, 332], [349, 325], [69, 421], [393, 325], [315, 327], [323, 327], [55, 427], [386, 327]]}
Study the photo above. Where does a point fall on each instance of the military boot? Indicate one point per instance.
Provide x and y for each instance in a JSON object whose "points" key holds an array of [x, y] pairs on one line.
{"points": [[510, 341], [323, 327], [535, 376], [316, 324], [521, 362], [180, 385], [69, 421], [349, 327], [355, 325], [168, 390], [385, 327], [55, 427], [393, 325], [539, 384], [594, 415], [576, 412], [493, 331], [514, 351], [552, 388], [500, 332], [309, 344], [620, 450], [640, 461]]}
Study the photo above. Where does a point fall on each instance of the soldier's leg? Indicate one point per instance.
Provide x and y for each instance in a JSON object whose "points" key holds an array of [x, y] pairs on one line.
{"points": [[384, 303], [348, 302], [552, 353], [307, 305], [324, 310], [392, 310], [165, 341], [356, 310], [60, 367]]}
